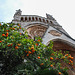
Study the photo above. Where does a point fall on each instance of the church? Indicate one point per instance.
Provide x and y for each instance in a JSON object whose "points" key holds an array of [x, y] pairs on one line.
{"points": [[48, 29]]}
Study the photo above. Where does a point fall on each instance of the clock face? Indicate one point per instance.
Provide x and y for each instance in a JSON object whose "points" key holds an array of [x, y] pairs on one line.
{"points": [[55, 33]]}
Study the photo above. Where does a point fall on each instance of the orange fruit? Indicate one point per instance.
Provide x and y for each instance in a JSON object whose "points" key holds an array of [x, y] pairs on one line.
{"points": [[38, 57], [27, 55], [8, 45], [19, 44], [3, 34], [42, 64], [52, 54], [51, 65], [69, 63], [18, 24], [13, 28], [16, 47], [32, 47], [7, 33], [25, 51], [20, 33], [29, 52], [33, 50], [20, 27], [38, 40], [0, 41], [36, 44], [71, 57], [7, 30], [51, 58], [11, 44], [59, 73], [0, 24]]}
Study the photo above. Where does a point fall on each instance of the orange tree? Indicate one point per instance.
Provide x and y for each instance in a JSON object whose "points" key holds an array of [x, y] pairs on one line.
{"points": [[22, 56]]}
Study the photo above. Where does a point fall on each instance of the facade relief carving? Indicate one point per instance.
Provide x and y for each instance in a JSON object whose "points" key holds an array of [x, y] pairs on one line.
{"points": [[36, 30], [55, 33]]}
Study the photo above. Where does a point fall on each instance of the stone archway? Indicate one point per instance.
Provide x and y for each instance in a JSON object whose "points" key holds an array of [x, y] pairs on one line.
{"points": [[59, 44]]}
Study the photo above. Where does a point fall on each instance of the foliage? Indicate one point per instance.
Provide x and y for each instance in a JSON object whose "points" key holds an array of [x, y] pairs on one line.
{"points": [[23, 56]]}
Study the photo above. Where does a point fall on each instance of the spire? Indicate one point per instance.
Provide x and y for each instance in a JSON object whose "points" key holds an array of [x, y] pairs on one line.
{"points": [[49, 17], [18, 12]]}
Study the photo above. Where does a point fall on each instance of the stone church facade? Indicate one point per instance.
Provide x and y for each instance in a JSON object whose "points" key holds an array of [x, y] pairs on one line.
{"points": [[48, 29]]}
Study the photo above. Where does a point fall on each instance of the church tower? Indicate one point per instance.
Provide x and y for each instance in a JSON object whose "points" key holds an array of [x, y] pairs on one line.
{"points": [[48, 29]]}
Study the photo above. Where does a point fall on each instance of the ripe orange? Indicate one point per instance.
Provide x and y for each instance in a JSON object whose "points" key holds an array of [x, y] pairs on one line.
{"points": [[16, 47], [7, 30], [6, 35], [71, 57], [20, 33], [25, 51], [18, 24], [20, 27], [32, 47], [3, 34], [11, 44], [63, 57], [27, 55], [52, 54], [29, 52], [42, 64], [38, 40], [38, 57], [66, 55], [0, 41], [0, 24], [19, 44], [59, 73], [36, 44], [8, 45], [13, 28], [69, 63], [33, 50], [51, 58], [51, 65]]}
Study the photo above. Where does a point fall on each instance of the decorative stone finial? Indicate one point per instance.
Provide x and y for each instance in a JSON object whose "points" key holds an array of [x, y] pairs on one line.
{"points": [[49, 17], [18, 12]]}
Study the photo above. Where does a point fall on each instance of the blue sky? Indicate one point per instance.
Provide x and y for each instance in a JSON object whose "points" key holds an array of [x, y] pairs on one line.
{"points": [[62, 10]]}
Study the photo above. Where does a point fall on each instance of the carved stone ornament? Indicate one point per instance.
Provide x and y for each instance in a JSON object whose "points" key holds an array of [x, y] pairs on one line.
{"points": [[55, 33], [36, 30]]}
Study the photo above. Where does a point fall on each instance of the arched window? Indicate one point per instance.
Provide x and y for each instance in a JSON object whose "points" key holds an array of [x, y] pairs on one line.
{"points": [[40, 19], [44, 20], [29, 18], [36, 18], [47, 21], [32, 18], [25, 18], [22, 19], [51, 22]]}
